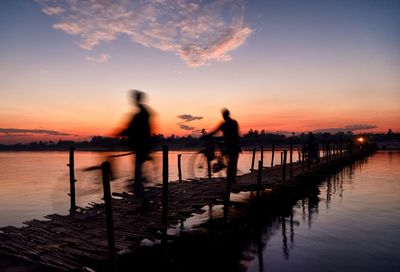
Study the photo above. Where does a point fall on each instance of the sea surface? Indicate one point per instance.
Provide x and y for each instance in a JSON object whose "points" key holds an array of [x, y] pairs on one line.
{"points": [[351, 224]]}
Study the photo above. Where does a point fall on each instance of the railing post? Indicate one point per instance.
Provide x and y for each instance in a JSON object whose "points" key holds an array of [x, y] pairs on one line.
{"points": [[284, 165], [229, 179], [272, 155], [262, 156], [72, 179], [298, 153], [291, 161], [259, 173], [165, 184], [208, 167], [179, 168], [164, 215], [105, 169], [252, 160], [328, 147]]}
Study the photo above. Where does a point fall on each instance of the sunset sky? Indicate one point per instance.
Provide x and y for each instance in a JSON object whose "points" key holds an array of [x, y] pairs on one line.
{"points": [[66, 66]]}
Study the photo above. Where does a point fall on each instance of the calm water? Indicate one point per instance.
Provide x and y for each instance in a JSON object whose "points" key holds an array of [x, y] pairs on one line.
{"points": [[352, 225], [350, 222], [34, 184]]}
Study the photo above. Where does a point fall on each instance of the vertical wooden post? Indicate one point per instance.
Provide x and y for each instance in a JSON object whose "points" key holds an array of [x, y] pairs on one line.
{"points": [[229, 179], [179, 168], [105, 169], [259, 173], [252, 160], [262, 156], [291, 160], [351, 148], [284, 165], [303, 160], [272, 155], [227, 199], [308, 158], [208, 167], [347, 150], [72, 179], [328, 149], [165, 184], [298, 153], [281, 158], [164, 215], [319, 153]]}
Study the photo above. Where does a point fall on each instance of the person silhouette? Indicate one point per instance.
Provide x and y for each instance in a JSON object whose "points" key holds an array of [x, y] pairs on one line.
{"points": [[138, 132], [230, 132]]}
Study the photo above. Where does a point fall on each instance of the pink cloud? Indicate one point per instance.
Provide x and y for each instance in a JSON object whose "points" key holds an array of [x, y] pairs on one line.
{"points": [[199, 33], [102, 58]]}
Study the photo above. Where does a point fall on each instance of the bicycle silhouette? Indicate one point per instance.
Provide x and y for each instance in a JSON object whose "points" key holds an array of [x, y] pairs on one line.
{"points": [[212, 158]]}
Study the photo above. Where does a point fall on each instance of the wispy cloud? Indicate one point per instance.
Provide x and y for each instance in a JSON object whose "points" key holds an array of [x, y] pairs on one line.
{"points": [[53, 10], [186, 118], [189, 117], [19, 132], [100, 59], [346, 128], [199, 32], [185, 127]]}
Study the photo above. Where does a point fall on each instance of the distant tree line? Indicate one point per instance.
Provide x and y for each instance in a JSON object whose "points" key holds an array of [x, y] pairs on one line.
{"points": [[248, 140]]}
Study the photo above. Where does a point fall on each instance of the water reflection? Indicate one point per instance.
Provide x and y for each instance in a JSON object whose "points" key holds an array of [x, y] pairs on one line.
{"points": [[333, 192], [314, 230]]}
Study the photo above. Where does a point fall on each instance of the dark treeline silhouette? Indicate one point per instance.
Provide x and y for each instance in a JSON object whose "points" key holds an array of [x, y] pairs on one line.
{"points": [[248, 140]]}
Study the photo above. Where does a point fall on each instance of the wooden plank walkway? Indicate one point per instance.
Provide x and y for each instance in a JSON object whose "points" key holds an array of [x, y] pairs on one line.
{"points": [[78, 241]]}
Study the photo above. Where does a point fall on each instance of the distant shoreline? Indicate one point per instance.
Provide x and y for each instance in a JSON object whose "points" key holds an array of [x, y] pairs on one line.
{"points": [[249, 141], [381, 147]]}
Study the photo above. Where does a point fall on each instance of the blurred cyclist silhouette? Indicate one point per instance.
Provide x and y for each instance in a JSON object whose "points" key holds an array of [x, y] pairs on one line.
{"points": [[230, 132], [138, 132]]}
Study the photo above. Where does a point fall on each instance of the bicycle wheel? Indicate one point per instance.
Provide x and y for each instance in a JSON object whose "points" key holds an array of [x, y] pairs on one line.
{"points": [[220, 163], [197, 166]]}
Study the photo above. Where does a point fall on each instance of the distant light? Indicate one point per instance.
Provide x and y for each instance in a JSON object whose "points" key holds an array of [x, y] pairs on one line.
{"points": [[360, 140]]}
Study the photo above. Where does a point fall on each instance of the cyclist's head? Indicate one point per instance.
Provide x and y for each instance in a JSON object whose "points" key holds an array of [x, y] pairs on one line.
{"points": [[226, 113], [137, 96]]}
